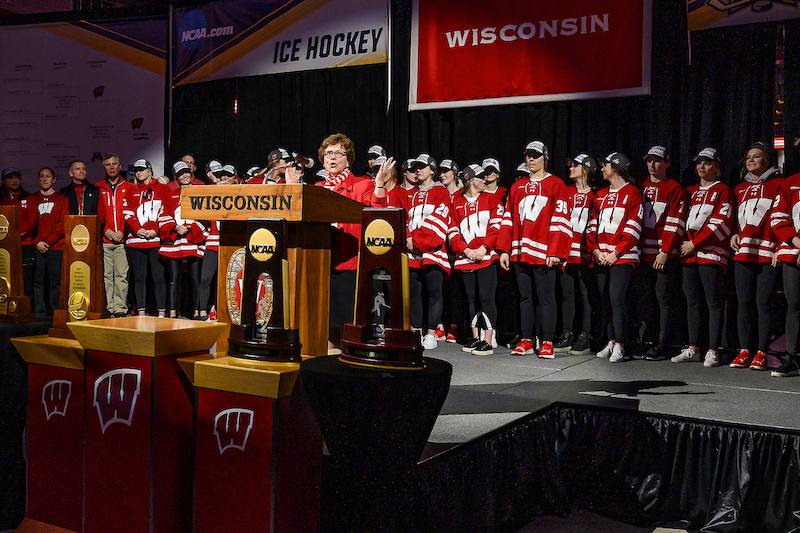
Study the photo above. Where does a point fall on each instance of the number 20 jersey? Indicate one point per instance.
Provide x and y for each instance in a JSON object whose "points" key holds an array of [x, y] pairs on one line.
{"points": [[536, 224]]}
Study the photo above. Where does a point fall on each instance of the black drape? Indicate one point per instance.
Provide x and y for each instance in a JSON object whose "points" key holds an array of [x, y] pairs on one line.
{"points": [[792, 94], [728, 93]]}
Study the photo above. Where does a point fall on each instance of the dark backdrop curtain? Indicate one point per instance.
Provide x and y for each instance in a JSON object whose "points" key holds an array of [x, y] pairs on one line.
{"points": [[295, 111], [728, 94], [792, 94]]}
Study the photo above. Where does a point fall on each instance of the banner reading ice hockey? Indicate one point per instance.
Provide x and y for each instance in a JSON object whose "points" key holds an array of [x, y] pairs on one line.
{"points": [[473, 53], [705, 14], [234, 38]]}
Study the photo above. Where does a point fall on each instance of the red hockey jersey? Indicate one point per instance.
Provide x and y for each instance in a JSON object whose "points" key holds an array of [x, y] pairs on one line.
{"points": [[476, 222], [536, 224], [173, 245], [141, 207], [758, 242], [709, 223], [616, 223], [785, 218], [428, 223], [663, 211], [579, 205]]}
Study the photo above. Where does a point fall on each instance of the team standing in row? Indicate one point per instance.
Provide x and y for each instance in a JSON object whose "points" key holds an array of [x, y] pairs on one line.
{"points": [[579, 236]]}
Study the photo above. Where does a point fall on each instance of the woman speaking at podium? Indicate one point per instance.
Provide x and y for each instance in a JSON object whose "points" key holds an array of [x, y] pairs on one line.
{"points": [[337, 154]]}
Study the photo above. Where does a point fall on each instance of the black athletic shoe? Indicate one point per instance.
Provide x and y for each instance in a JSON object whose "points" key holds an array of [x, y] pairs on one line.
{"points": [[657, 353], [471, 344], [787, 369], [581, 345], [563, 342], [513, 342], [482, 348]]}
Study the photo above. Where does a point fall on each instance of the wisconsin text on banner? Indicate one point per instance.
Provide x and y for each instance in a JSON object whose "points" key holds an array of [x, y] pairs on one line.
{"points": [[469, 53]]}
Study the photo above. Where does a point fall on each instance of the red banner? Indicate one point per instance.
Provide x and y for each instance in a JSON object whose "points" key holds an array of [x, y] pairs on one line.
{"points": [[473, 53]]}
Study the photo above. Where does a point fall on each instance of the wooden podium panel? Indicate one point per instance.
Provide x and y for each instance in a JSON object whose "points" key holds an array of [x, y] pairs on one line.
{"points": [[55, 430], [15, 307], [310, 211], [258, 450]]}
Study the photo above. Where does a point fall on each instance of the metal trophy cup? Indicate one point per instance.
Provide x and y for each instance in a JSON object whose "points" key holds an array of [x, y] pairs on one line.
{"points": [[82, 289], [14, 305], [265, 332], [381, 333]]}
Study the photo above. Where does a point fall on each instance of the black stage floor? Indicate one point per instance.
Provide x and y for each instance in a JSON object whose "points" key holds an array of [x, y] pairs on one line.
{"points": [[487, 392]]}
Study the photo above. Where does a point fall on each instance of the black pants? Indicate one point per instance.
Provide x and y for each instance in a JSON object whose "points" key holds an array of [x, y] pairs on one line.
{"points": [[755, 283], [544, 315], [139, 259], [791, 289], [663, 284], [208, 270], [704, 281], [50, 261], [482, 283], [575, 275], [613, 281], [426, 285], [174, 277]]}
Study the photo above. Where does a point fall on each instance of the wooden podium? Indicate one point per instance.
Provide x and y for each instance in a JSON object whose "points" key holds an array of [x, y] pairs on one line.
{"points": [[14, 305], [310, 211], [82, 290]]}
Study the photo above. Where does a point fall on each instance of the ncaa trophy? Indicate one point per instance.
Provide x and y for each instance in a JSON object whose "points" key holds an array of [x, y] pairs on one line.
{"points": [[14, 305], [82, 289], [381, 331], [264, 331]]}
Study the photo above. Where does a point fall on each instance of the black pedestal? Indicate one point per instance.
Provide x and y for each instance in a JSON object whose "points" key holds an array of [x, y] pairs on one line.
{"points": [[376, 423]]}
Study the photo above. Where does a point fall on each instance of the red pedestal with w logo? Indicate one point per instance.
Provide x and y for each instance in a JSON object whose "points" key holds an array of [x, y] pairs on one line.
{"points": [[55, 430], [258, 447], [139, 422]]}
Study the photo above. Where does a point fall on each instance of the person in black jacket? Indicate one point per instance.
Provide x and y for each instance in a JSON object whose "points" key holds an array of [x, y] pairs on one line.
{"points": [[83, 196]]}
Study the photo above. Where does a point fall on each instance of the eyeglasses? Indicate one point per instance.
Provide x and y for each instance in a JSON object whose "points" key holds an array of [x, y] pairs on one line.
{"points": [[338, 154]]}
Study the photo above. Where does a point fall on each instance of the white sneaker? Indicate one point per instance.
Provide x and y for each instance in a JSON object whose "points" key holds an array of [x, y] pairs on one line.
{"points": [[617, 354], [429, 342], [606, 352], [687, 355], [712, 359]]}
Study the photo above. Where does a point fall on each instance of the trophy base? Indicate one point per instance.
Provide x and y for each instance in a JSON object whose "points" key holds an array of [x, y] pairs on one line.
{"points": [[16, 309], [60, 319], [273, 344], [399, 348]]}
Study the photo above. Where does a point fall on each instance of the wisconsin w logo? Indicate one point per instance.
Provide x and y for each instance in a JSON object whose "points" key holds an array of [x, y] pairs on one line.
{"points": [[115, 394], [55, 396], [232, 428]]}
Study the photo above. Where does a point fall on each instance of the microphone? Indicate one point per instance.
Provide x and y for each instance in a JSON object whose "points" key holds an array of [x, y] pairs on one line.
{"points": [[303, 160]]}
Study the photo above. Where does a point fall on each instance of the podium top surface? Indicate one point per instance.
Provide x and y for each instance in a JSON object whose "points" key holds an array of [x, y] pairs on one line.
{"points": [[232, 374], [50, 351], [295, 203], [146, 336]]}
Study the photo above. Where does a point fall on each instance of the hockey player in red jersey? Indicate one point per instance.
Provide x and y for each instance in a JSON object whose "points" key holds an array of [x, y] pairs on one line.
{"points": [[705, 254], [535, 237], [613, 241], [477, 216], [754, 245], [658, 277]]}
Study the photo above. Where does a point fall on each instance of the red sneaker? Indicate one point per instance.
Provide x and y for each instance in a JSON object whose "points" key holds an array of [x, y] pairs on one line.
{"points": [[547, 351], [759, 361], [450, 338], [524, 347], [440, 335], [212, 316], [742, 360]]}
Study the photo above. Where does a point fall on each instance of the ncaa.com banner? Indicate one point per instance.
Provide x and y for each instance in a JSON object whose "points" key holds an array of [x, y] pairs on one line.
{"points": [[471, 53], [233, 38]]}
